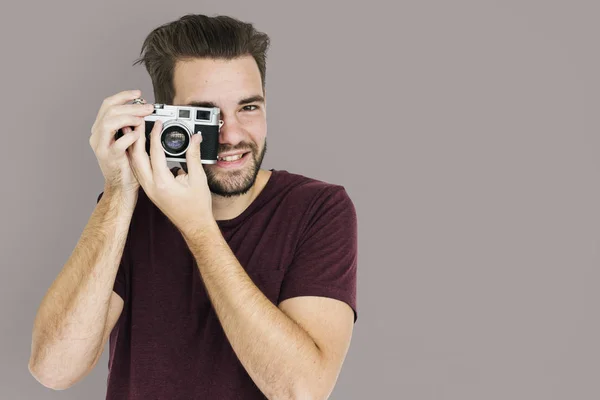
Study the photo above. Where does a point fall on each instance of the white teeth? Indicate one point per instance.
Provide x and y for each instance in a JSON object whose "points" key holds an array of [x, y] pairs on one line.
{"points": [[231, 158]]}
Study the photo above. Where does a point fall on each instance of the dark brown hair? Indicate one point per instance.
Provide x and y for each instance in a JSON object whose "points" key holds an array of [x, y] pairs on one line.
{"points": [[198, 36]]}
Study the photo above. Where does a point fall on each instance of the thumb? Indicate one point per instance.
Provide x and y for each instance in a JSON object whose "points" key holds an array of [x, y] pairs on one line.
{"points": [[193, 156]]}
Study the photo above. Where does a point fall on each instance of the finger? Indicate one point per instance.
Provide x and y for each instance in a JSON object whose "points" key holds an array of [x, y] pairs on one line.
{"points": [[130, 160], [119, 98], [123, 143], [161, 172], [140, 158], [193, 159], [113, 124], [136, 110], [125, 130], [139, 146], [139, 110]]}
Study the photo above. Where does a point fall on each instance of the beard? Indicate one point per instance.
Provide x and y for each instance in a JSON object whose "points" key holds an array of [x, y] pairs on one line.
{"points": [[237, 182]]}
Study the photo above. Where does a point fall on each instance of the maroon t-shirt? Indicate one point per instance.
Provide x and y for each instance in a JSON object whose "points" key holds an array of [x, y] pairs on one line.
{"points": [[297, 238]]}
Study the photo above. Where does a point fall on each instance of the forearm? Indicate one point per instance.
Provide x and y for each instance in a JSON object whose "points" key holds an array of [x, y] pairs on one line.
{"points": [[68, 327], [277, 353]]}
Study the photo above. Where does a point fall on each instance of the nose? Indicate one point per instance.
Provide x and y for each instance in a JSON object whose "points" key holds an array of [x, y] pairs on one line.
{"points": [[231, 131]]}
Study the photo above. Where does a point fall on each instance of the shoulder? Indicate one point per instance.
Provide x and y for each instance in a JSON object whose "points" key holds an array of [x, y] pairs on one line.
{"points": [[320, 189], [312, 195]]}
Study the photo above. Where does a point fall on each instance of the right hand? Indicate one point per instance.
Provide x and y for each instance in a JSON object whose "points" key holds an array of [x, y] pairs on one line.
{"points": [[113, 155]]}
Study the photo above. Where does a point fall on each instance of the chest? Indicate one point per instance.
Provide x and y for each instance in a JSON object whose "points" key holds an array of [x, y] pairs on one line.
{"points": [[164, 284]]}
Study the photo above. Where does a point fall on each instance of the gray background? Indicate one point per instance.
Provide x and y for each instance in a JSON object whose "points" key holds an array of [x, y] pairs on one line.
{"points": [[465, 132]]}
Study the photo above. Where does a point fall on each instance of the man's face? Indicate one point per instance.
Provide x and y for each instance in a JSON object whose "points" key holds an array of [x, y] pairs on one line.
{"points": [[235, 86]]}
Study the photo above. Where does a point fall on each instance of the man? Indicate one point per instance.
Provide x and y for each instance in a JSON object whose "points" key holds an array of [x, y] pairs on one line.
{"points": [[212, 281]]}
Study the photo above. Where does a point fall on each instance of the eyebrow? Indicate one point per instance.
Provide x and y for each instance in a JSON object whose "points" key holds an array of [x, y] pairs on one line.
{"points": [[247, 100]]}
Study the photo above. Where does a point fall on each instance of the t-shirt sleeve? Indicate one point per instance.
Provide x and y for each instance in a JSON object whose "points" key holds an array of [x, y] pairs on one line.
{"points": [[119, 286], [325, 260]]}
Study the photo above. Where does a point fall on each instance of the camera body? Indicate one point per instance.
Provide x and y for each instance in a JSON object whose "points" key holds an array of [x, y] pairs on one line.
{"points": [[179, 124]]}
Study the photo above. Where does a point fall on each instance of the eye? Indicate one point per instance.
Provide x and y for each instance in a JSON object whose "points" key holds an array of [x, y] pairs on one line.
{"points": [[246, 108]]}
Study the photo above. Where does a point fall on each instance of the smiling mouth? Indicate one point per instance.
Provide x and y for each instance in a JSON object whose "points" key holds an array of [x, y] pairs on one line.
{"points": [[232, 158]]}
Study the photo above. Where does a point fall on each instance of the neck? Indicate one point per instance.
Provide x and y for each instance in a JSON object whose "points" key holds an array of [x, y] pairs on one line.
{"points": [[225, 208]]}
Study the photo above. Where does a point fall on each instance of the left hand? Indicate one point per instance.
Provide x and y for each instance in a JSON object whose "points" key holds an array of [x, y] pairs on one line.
{"points": [[185, 199]]}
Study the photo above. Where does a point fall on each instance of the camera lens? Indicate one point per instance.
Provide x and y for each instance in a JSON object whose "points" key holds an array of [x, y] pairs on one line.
{"points": [[175, 140]]}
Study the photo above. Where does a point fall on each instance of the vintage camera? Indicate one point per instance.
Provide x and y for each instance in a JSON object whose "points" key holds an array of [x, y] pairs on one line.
{"points": [[179, 124]]}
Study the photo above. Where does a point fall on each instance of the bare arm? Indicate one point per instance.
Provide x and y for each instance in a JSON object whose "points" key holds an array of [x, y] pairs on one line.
{"points": [[80, 309], [279, 355]]}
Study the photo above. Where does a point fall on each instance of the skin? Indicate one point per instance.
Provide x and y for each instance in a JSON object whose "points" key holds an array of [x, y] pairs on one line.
{"points": [[223, 83]]}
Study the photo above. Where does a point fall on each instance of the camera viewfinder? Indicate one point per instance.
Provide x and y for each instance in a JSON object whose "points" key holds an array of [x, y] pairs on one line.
{"points": [[201, 114]]}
